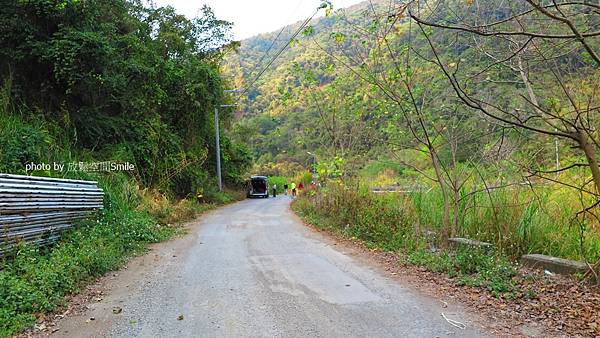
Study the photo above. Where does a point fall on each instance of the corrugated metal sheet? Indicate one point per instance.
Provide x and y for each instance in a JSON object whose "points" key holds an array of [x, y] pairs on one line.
{"points": [[38, 209]]}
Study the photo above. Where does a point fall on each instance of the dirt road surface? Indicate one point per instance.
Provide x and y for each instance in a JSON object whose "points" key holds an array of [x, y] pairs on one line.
{"points": [[252, 269]]}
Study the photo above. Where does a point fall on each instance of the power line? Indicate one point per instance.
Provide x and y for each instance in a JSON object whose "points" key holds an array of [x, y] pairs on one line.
{"points": [[279, 52], [256, 65]]}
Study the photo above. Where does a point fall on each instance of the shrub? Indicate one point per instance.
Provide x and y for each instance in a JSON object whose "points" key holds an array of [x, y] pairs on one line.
{"points": [[22, 143], [280, 181]]}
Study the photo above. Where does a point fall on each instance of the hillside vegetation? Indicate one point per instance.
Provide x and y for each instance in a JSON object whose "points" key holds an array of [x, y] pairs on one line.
{"points": [[484, 113]]}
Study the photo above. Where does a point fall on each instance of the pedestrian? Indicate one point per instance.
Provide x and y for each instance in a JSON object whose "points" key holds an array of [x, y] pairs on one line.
{"points": [[285, 189], [293, 189], [274, 190]]}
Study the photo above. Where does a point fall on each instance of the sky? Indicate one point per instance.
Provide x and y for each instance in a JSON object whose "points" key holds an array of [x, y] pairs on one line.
{"points": [[252, 17]]}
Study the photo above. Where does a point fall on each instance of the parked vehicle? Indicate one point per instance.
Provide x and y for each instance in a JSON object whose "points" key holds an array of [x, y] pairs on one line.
{"points": [[257, 186]]}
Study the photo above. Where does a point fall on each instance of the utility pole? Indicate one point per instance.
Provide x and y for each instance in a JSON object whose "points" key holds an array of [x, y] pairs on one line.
{"points": [[217, 138], [218, 149], [314, 156]]}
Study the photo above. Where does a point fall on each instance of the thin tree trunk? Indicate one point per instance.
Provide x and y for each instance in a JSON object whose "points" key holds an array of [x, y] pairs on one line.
{"points": [[534, 100], [455, 228], [588, 149], [455, 189], [446, 216]]}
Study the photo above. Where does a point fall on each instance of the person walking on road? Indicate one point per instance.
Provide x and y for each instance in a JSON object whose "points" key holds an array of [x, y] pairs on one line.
{"points": [[293, 189], [285, 189], [274, 190]]}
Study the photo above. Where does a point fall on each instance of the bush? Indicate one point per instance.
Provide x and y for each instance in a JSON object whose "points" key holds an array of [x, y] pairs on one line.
{"points": [[280, 181], [380, 221], [21, 143]]}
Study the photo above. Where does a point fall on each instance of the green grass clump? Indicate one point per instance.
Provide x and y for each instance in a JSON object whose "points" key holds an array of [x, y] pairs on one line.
{"points": [[470, 267]]}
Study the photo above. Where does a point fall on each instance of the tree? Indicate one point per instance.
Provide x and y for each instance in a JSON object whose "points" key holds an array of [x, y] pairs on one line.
{"points": [[426, 126], [546, 45], [122, 81]]}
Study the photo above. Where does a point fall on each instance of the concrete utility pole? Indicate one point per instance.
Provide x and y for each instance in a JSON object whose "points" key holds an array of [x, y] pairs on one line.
{"points": [[314, 156], [218, 140], [218, 149]]}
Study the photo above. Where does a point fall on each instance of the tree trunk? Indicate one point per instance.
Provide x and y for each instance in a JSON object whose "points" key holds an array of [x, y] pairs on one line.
{"points": [[588, 149], [446, 216], [455, 190], [534, 100]]}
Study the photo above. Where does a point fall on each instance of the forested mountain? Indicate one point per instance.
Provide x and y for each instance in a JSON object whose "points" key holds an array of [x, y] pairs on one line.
{"points": [[289, 110], [473, 101], [339, 91]]}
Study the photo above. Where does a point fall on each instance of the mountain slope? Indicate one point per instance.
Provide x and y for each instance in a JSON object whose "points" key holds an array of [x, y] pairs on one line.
{"points": [[281, 118], [325, 94]]}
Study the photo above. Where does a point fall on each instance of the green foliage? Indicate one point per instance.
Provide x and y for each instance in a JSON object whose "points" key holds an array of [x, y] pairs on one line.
{"points": [[122, 79], [435, 262], [236, 160], [470, 267], [305, 177], [21, 143], [280, 181], [333, 169], [377, 167]]}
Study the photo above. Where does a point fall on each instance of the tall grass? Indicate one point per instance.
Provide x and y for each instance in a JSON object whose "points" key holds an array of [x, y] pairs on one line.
{"points": [[517, 221], [381, 221], [520, 220]]}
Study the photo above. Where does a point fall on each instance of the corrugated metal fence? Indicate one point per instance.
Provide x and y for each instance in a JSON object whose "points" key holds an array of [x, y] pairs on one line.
{"points": [[38, 209]]}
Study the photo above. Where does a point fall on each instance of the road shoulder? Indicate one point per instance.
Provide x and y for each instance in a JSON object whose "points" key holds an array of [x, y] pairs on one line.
{"points": [[97, 306], [484, 310]]}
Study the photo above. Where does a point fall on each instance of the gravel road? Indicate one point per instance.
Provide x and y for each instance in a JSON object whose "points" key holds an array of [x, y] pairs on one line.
{"points": [[252, 269]]}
